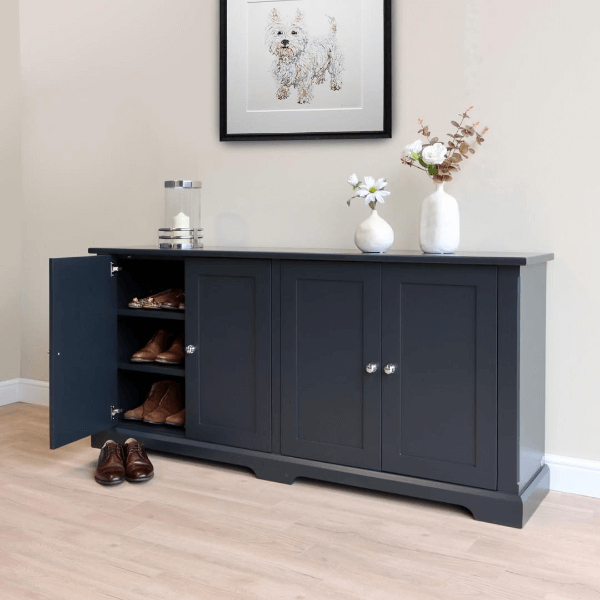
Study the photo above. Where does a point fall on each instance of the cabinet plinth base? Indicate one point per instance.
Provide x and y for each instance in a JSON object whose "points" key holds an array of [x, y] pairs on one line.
{"points": [[511, 510]]}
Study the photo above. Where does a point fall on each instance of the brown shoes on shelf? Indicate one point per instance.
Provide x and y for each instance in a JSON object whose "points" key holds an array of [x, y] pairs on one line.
{"points": [[158, 343], [169, 405], [118, 463], [172, 299], [163, 406], [160, 349], [174, 355], [157, 391], [176, 419], [175, 302]]}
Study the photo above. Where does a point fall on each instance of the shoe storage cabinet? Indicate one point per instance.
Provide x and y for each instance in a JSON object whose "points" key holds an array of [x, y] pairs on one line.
{"points": [[418, 375]]}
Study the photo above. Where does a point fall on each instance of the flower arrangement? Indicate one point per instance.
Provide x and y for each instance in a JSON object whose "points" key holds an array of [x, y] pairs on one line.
{"points": [[372, 191], [440, 161]]}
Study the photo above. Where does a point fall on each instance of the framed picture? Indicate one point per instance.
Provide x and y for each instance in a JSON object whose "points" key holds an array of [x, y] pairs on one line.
{"points": [[306, 69]]}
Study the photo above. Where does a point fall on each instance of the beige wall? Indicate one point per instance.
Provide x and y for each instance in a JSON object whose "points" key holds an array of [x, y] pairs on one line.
{"points": [[122, 95], [10, 191]]}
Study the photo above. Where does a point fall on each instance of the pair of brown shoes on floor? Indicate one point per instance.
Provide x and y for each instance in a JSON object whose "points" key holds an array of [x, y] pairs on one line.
{"points": [[118, 463], [161, 348], [173, 299], [163, 406]]}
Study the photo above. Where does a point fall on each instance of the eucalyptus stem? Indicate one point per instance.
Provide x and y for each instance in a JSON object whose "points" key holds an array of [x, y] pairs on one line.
{"points": [[455, 149], [412, 164], [457, 130]]}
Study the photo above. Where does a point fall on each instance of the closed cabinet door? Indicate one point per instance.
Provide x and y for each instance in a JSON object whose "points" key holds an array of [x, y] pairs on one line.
{"points": [[228, 337], [439, 416], [330, 332]]}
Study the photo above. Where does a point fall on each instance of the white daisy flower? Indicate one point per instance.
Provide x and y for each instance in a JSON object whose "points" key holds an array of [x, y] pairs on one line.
{"points": [[372, 191]]}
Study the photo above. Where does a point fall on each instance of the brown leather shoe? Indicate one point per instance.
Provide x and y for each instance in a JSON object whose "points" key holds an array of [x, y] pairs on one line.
{"points": [[177, 303], [157, 344], [169, 405], [176, 419], [138, 467], [110, 469], [157, 391], [174, 355], [155, 301]]}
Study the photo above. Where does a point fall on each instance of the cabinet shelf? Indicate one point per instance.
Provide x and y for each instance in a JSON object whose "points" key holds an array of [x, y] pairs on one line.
{"points": [[174, 371], [151, 314], [126, 426]]}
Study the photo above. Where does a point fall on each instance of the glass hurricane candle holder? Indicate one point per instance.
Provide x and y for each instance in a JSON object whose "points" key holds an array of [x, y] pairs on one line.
{"points": [[182, 228]]}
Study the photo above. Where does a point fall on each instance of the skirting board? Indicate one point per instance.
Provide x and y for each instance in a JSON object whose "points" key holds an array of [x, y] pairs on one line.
{"points": [[570, 475], [29, 391], [9, 391], [574, 475], [34, 392]]}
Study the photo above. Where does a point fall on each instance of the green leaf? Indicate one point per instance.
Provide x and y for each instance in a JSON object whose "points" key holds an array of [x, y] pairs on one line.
{"points": [[416, 156], [432, 169], [422, 163]]}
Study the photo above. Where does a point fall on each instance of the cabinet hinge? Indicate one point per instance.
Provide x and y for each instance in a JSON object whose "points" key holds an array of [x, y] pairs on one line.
{"points": [[114, 411], [114, 269]]}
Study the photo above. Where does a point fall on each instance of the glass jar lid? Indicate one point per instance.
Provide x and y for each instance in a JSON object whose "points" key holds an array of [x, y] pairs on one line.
{"points": [[183, 183]]}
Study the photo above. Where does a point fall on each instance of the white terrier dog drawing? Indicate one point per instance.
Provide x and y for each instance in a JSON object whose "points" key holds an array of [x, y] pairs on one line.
{"points": [[301, 61]]}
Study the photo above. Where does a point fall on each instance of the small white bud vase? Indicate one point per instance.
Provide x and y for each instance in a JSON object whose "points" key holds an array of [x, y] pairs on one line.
{"points": [[374, 234], [440, 223]]}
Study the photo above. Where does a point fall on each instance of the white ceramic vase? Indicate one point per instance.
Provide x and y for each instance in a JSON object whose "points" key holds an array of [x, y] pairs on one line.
{"points": [[440, 223], [374, 234]]}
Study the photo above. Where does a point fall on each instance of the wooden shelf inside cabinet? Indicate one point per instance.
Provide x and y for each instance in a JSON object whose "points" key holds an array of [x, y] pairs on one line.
{"points": [[151, 314], [173, 371]]}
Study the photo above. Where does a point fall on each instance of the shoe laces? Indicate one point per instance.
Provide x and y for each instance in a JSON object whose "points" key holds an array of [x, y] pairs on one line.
{"points": [[114, 450], [134, 448]]}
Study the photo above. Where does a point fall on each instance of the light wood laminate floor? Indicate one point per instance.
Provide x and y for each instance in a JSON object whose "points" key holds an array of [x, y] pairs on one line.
{"points": [[205, 531]]}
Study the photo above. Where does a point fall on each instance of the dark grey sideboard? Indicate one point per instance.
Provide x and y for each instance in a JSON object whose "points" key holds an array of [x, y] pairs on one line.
{"points": [[419, 375]]}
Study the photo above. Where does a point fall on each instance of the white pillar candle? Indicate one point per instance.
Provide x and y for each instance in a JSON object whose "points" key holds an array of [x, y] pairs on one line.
{"points": [[181, 221]]}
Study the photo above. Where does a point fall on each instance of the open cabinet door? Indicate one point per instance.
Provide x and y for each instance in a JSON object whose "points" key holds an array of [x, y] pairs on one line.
{"points": [[83, 347]]}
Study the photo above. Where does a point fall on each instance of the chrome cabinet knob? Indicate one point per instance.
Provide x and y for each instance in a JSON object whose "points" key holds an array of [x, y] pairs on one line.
{"points": [[389, 369], [372, 368], [190, 349]]}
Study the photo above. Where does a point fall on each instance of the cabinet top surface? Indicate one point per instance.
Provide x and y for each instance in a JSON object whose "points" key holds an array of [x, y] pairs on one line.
{"points": [[392, 256]]}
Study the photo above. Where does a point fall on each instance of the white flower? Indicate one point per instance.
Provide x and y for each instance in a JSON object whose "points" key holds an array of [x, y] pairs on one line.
{"points": [[434, 155], [414, 148], [353, 180], [372, 191]]}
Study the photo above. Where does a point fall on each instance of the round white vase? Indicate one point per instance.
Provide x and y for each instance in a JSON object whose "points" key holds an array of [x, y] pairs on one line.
{"points": [[374, 234], [440, 223]]}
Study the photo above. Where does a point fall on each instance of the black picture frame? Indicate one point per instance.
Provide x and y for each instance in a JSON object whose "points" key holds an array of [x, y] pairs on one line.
{"points": [[385, 132]]}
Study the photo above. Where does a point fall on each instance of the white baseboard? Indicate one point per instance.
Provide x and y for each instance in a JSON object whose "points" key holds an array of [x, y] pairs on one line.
{"points": [[9, 391], [32, 391], [570, 475], [574, 475]]}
